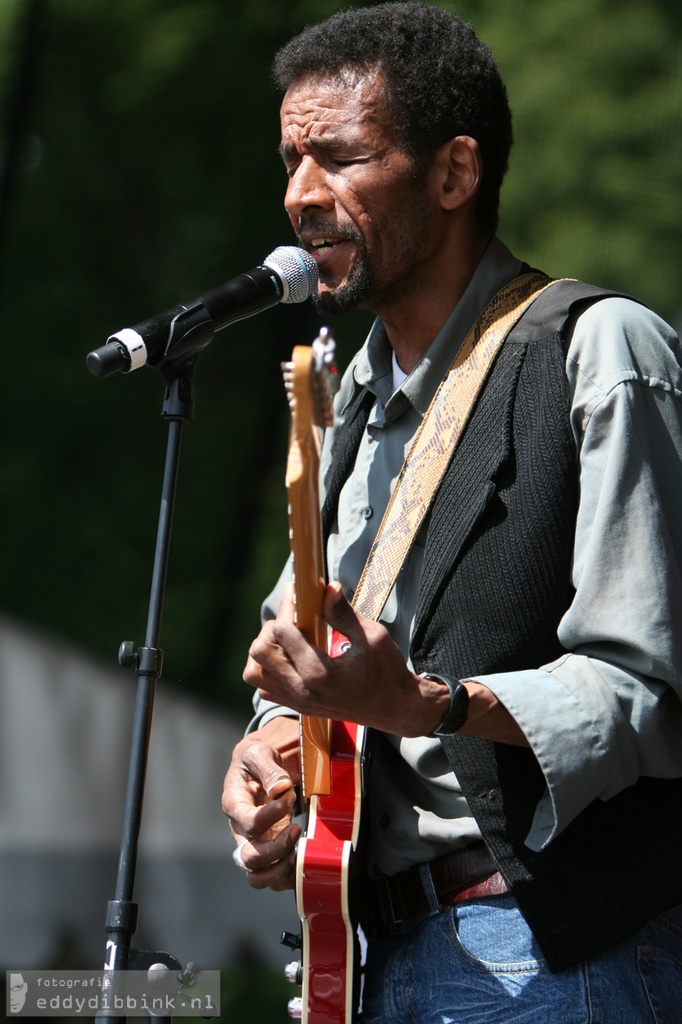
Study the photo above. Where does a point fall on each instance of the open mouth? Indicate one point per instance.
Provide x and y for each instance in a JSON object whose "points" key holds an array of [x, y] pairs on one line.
{"points": [[323, 248]]}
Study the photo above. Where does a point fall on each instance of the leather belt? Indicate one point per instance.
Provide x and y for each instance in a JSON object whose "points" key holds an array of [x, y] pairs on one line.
{"points": [[465, 874]]}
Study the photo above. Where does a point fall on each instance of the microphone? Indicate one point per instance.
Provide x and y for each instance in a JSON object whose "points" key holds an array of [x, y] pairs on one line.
{"points": [[288, 274]]}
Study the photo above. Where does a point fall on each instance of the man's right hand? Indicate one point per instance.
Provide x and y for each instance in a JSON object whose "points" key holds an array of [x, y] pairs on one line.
{"points": [[259, 796]]}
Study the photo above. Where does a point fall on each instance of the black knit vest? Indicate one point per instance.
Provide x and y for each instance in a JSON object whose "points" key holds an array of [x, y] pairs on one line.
{"points": [[495, 583]]}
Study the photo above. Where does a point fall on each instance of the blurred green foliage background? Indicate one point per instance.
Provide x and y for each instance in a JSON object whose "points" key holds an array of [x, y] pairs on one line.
{"points": [[139, 170]]}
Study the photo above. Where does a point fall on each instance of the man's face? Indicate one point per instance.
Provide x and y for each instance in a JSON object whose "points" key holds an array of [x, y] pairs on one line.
{"points": [[18, 988], [353, 197]]}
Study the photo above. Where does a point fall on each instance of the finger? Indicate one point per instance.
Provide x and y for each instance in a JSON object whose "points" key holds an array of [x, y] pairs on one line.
{"points": [[276, 686], [287, 608], [269, 655], [283, 665], [259, 854], [271, 863], [254, 673], [258, 823], [279, 877], [258, 792]]}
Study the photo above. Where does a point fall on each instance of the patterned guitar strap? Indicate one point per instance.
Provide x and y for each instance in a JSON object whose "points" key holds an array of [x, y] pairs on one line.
{"points": [[437, 438]]}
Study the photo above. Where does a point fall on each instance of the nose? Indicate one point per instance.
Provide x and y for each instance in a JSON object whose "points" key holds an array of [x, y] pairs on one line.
{"points": [[307, 189]]}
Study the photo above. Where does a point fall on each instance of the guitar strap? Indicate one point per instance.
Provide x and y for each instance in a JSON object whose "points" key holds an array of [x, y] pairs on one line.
{"points": [[437, 438]]}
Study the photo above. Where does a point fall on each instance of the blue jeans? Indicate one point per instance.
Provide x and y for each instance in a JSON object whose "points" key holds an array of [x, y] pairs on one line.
{"points": [[478, 963]]}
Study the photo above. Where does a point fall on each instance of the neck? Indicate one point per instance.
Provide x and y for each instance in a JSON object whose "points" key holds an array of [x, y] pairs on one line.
{"points": [[414, 319]]}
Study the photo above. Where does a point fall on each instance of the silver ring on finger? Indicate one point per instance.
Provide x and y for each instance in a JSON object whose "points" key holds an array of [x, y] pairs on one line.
{"points": [[237, 858]]}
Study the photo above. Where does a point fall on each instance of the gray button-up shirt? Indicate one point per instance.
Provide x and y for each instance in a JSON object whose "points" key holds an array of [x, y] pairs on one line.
{"points": [[609, 710]]}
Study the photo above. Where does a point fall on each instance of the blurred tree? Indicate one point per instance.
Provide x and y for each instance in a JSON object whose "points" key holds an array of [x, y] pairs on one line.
{"points": [[596, 170]]}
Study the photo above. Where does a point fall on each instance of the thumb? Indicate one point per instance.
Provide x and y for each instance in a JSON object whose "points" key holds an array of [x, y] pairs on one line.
{"points": [[339, 612], [264, 764]]}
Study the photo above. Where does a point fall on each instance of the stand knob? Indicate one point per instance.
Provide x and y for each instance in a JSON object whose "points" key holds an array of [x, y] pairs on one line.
{"points": [[295, 1008], [188, 976], [127, 655]]}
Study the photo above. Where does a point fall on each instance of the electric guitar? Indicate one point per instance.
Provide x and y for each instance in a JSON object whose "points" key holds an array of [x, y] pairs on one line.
{"points": [[331, 752]]}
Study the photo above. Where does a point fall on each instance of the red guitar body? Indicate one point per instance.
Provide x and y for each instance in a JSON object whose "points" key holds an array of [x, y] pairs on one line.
{"points": [[324, 883]]}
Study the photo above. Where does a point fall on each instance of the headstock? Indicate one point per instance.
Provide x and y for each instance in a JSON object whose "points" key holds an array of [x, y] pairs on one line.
{"points": [[311, 381]]}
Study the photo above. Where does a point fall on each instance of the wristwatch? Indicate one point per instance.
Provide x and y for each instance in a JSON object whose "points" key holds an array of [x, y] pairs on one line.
{"points": [[456, 715]]}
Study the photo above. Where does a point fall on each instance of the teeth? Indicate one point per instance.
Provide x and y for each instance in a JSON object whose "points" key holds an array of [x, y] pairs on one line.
{"points": [[319, 243]]}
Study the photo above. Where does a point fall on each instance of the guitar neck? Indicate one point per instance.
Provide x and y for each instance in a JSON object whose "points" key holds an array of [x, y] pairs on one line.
{"points": [[311, 408], [305, 534]]}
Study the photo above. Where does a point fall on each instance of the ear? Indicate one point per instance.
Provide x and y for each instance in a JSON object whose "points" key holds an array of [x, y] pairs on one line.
{"points": [[459, 167]]}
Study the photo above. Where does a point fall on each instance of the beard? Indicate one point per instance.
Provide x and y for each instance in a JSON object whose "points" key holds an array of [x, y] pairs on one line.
{"points": [[359, 287], [357, 291]]}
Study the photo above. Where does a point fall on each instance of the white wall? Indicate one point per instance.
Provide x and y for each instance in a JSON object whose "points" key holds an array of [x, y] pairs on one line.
{"points": [[65, 725]]}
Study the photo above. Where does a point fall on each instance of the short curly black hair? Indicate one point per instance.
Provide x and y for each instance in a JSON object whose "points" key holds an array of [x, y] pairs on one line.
{"points": [[442, 81]]}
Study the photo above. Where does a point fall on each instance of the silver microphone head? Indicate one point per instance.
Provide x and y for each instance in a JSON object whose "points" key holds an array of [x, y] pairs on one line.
{"points": [[297, 270]]}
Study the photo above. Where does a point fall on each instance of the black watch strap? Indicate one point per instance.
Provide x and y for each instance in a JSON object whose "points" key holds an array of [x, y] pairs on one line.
{"points": [[456, 715]]}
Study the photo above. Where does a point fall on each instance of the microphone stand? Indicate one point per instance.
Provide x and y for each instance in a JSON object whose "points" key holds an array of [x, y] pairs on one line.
{"points": [[176, 369]]}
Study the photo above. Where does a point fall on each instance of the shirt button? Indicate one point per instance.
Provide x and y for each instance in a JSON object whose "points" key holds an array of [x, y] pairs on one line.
{"points": [[350, 593], [384, 821], [367, 512]]}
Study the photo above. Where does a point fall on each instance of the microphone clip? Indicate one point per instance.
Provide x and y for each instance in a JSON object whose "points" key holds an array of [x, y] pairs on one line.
{"points": [[189, 332]]}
